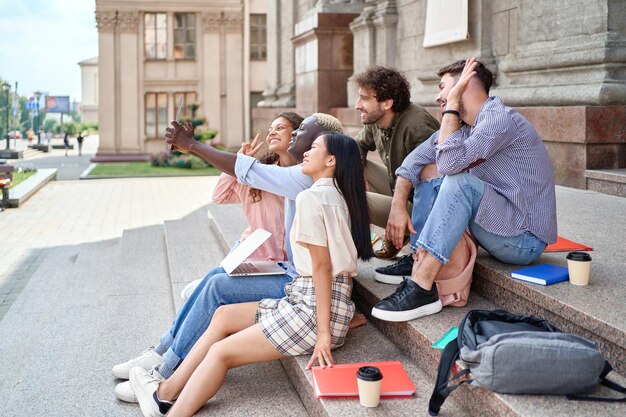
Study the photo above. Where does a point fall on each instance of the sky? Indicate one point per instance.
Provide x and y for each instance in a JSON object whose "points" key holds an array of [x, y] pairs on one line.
{"points": [[42, 41]]}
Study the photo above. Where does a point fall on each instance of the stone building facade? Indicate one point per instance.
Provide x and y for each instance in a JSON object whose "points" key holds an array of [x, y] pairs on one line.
{"points": [[89, 90], [561, 63], [151, 53]]}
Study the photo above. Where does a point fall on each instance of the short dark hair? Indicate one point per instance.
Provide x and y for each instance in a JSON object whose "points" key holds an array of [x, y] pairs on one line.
{"points": [[348, 179], [387, 83], [483, 74]]}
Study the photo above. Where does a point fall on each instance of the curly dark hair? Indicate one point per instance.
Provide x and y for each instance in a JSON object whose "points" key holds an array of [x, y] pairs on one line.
{"points": [[387, 83], [483, 74], [294, 120], [269, 158]]}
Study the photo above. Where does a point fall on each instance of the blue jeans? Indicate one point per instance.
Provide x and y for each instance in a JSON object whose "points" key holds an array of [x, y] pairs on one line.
{"points": [[444, 207], [215, 289]]}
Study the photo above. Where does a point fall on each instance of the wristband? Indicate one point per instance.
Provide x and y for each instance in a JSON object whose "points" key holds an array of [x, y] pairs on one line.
{"points": [[454, 112]]}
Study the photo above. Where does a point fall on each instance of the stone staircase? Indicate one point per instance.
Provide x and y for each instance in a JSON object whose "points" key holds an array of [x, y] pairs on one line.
{"points": [[596, 312], [608, 181], [92, 305]]}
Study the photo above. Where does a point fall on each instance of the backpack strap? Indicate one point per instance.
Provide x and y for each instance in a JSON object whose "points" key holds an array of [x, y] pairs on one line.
{"points": [[607, 383], [442, 385]]}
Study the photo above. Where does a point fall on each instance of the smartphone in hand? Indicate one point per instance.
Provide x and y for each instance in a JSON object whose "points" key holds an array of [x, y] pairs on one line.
{"points": [[177, 118]]}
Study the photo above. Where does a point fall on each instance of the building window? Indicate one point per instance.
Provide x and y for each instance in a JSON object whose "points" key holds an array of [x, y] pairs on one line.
{"points": [[258, 37], [156, 114], [184, 36], [189, 98], [155, 35]]}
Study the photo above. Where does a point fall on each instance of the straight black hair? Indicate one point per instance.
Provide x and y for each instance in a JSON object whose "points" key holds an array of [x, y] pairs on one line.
{"points": [[350, 182]]}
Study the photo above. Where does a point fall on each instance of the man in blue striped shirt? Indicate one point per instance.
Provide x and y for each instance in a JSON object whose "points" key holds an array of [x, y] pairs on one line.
{"points": [[486, 170]]}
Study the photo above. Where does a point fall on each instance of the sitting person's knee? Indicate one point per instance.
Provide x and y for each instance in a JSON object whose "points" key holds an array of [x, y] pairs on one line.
{"points": [[221, 353], [220, 317]]}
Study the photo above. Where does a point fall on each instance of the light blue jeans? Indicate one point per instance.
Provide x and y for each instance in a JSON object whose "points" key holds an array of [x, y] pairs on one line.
{"points": [[444, 207], [216, 289]]}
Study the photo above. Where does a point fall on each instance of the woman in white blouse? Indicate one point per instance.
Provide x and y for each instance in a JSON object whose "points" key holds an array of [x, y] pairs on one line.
{"points": [[330, 232]]}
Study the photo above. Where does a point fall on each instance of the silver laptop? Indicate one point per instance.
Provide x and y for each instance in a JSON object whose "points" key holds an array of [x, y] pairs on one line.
{"points": [[235, 266]]}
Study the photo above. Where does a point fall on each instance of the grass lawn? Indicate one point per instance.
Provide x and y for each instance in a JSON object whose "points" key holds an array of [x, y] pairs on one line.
{"points": [[142, 169], [21, 176]]}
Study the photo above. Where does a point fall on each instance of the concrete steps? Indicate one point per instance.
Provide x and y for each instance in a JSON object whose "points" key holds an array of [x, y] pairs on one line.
{"points": [[366, 343], [59, 335], [608, 181], [92, 305], [416, 337], [584, 216], [30, 153], [193, 248]]}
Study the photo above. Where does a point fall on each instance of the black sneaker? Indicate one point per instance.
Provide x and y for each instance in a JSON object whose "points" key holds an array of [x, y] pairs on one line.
{"points": [[408, 302], [395, 273]]}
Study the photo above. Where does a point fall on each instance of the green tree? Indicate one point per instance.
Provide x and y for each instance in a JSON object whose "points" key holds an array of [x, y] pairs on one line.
{"points": [[71, 127], [50, 124]]}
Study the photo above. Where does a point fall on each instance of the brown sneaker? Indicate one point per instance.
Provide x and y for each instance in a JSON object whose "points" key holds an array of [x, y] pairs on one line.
{"points": [[388, 251]]}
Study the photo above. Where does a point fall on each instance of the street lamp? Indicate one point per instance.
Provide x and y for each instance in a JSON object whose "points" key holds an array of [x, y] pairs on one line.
{"points": [[38, 96], [6, 87]]}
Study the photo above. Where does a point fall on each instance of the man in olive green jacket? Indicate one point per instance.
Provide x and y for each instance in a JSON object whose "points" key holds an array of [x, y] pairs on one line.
{"points": [[393, 126]]}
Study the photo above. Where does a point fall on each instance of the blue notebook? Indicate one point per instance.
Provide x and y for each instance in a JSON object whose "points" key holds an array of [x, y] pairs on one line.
{"points": [[544, 274]]}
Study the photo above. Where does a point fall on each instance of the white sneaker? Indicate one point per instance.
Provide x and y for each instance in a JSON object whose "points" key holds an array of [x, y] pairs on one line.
{"points": [[145, 385], [189, 289], [125, 392], [147, 359]]}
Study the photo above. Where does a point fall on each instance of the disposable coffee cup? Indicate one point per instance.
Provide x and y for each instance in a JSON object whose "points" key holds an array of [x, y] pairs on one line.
{"points": [[368, 380], [578, 267]]}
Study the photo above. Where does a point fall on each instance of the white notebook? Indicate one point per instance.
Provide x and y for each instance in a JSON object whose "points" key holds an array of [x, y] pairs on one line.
{"points": [[235, 266]]}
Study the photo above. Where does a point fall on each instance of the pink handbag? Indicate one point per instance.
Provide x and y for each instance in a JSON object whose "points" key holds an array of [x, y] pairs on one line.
{"points": [[455, 278]]}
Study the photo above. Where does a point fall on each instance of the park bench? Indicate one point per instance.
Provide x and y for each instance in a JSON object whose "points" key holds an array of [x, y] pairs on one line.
{"points": [[6, 175]]}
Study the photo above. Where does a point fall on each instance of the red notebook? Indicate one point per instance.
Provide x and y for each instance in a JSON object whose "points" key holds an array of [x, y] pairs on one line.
{"points": [[565, 245], [340, 380]]}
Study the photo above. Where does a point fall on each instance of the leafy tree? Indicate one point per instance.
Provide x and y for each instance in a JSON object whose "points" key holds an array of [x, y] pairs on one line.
{"points": [[71, 127], [51, 125]]}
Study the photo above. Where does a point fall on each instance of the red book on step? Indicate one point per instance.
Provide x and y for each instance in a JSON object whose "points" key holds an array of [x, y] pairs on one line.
{"points": [[340, 380]]}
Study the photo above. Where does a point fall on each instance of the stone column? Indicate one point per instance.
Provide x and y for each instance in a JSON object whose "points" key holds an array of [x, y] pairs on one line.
{"points": [[375, 38], [211, 67], [222, 89], [286, 87], [106, 21], [323, 44], [280, 91], [274, 47], [385, 21], [127, 86], [364, 37], [233, 124]]}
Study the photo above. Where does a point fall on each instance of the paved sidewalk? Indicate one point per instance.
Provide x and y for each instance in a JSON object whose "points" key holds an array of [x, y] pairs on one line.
{"points": [[68, 167], [73, 212]]}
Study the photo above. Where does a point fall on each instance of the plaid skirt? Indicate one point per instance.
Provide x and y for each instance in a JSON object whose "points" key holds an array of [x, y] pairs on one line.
{"points": [[290, 323]]}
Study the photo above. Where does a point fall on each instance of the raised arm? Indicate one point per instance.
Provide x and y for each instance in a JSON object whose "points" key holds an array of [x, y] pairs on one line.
{"points": [[181, 138]]}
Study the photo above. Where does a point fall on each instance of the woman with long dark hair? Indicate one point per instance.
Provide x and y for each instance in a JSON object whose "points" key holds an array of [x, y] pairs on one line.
{"points": [[261, 208], [330, 231]]}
